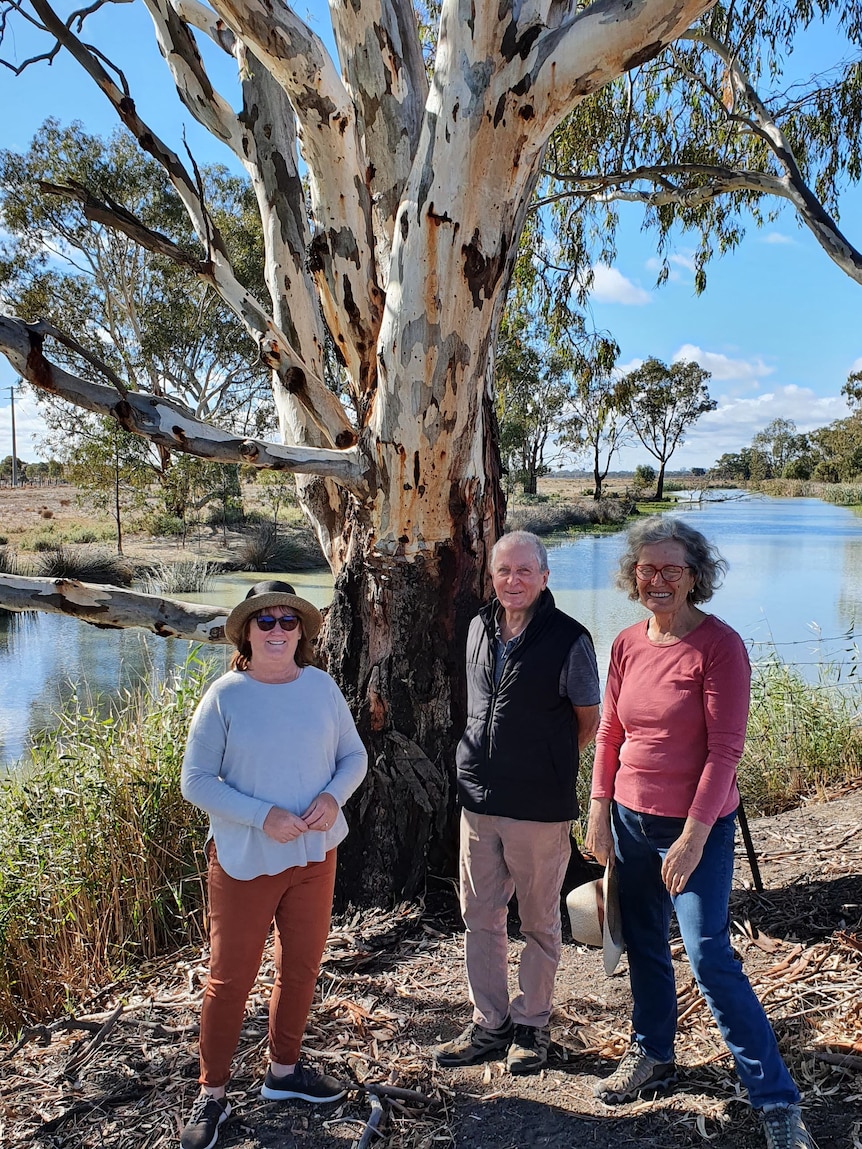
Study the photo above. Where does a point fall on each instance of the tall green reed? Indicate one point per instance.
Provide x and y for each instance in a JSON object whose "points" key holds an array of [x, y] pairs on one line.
{"points": [[100, 863], [803, 737]]}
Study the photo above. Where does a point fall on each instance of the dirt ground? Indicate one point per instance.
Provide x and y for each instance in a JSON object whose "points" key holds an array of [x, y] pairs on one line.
{"points": [[392, 986], [24, 510]]}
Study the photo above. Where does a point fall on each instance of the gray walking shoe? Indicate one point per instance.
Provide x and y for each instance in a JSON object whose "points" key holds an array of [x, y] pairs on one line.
{"points": [[785, 1129], [475, 1044], [528, 1052], [636, 1076]]}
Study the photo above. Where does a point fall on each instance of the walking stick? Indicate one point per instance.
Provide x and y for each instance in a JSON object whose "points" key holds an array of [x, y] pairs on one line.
{"points": [[749, 846]]}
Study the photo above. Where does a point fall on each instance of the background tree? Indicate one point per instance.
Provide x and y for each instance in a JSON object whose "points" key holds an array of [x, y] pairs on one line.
{"points": [[662, 403], [719, 130], [780, 441], [838, 450], [533, 391], [400, 244], [276, 490], [111, 467], [600, 425], [144, 317]]}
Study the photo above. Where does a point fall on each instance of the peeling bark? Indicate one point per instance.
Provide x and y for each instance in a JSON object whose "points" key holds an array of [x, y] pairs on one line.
{"points": [[113, 608]]}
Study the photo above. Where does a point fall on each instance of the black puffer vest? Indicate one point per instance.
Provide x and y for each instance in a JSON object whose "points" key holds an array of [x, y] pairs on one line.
{"points": [[519, 754]]}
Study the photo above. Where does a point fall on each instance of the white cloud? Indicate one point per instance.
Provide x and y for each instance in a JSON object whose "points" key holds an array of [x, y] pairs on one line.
{"points": [[856, 365], [738, 419], [745, 373], [684, 260], [777, 237], [611, 286]]}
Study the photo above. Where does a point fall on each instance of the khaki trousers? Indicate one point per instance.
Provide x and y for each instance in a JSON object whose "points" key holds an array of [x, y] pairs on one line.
{"points": [[299, 901], [501, 857]]}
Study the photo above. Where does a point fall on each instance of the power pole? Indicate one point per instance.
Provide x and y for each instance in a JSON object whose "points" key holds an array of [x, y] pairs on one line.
{"points": [[14, 446]]}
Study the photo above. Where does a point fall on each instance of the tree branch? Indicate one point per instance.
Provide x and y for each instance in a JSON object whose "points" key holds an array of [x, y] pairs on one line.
{"points": [[275, 348], [168, 423], [43, 327], [811, 211], [342, 259], [112, 608], [381, 58], [580, 56]]}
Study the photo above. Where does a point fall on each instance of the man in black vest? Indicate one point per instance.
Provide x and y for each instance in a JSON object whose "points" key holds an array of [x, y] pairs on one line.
{"points": [[532, 703]]}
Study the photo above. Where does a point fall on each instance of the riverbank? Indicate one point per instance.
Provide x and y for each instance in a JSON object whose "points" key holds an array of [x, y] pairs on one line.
{"points": [[121, 1068], [34, 519]]}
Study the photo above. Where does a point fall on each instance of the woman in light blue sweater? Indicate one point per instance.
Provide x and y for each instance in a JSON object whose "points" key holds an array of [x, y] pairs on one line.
{"points": [[272, 756]]}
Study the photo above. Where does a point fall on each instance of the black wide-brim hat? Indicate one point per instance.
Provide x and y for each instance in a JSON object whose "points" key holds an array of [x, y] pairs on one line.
{"points": [[266, 595]]}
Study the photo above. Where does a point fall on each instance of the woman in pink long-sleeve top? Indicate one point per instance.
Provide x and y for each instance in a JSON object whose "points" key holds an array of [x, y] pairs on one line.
{"points": [[663, 807]]}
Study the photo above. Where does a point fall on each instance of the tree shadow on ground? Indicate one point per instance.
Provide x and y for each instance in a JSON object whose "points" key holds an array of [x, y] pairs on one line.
{"points": [[806, 911]]}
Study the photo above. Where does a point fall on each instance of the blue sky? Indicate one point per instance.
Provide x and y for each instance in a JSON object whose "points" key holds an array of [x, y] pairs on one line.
{"points": [[778, 325]]}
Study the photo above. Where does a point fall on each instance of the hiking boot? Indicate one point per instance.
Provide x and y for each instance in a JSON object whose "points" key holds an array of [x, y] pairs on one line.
{"points": [[636, 1076], [207, 1115], [528, 1052], [475, 1044], [785, 1129], [304, 1084]]}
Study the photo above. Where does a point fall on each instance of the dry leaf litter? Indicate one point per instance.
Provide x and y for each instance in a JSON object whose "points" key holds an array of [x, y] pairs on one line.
{"points": [[121, 1069]]}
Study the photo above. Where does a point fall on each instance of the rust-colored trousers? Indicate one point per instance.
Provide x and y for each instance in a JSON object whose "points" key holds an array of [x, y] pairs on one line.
{"points": [[299, 901]]}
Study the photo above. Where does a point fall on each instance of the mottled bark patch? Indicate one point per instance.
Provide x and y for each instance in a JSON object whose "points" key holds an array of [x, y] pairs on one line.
{"points": [[482, 271]]}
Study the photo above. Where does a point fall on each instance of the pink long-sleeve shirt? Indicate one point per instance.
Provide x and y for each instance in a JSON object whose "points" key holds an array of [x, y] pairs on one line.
{"points": [[673, 723]]}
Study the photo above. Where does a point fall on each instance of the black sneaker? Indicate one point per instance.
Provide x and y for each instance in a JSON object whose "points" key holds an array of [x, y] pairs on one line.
{"points": [[528, 1052], [475, 1044], [636, 1076], [304, 1084], [207, 1115]]}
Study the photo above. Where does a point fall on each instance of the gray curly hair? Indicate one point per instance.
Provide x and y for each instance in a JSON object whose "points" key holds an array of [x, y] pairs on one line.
{"points": [[706, 563]]}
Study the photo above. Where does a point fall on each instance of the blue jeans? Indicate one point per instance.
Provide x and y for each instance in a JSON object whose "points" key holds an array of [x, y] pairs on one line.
{"points": [[702, 911]]}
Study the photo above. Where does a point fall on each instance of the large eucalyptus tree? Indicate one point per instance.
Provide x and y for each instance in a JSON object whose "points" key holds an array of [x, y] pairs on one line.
{"points": [[400, 242]]}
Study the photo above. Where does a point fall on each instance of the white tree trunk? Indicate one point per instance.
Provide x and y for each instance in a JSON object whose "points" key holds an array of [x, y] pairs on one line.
{"points": [[418, 195]]}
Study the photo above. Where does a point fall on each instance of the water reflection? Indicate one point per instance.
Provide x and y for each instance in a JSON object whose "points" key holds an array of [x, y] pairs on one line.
{"points": [[46, 658], [794, 586]]}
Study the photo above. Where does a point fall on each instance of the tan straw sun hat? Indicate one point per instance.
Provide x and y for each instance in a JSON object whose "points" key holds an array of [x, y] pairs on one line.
{"points": [[594, 913], [266, 595]]}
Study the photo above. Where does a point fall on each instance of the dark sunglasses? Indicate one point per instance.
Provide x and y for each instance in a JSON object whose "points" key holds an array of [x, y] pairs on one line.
{"points": [[267, 622]]}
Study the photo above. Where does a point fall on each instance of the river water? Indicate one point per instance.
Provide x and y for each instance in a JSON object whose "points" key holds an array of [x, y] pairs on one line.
{"points": [[794, 587]]}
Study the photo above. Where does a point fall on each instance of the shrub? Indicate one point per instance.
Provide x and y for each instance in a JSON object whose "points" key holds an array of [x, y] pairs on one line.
{"points": [[548, 519], [193, 576], [99, 863], [8, 563], [86, 535], [269, 550], [161, 523], [843, 494], [88, 564], [43, 544]]}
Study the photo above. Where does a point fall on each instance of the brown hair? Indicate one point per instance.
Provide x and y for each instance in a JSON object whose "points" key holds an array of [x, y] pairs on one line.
{"points": [[241, 657]]}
